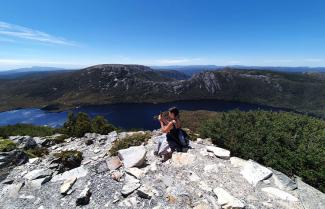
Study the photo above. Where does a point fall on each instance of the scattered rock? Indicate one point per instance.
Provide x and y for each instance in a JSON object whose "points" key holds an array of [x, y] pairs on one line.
{"points": [[38, 173], [116, 175], [219, 152], [34, 160], [37, 183], [76, 172], [310, 197], [84, 197], [274, 192], [114, 163], [133, 156], [226, 200], [67, 184], [283, 182], [136, 172], [145, 192], [89, 142], [254, 172], [130, 185]]}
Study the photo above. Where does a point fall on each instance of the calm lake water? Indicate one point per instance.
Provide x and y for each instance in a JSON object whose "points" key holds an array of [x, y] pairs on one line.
{"points": [[122, 115]]}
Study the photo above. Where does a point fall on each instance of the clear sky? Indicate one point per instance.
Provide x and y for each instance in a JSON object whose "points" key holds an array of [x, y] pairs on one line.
{"points": [[74, 33]]}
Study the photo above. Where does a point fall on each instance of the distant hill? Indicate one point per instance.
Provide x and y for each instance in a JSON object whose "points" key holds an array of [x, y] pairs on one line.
{"points": [[22, 72], [192, 69], [103, 84]]}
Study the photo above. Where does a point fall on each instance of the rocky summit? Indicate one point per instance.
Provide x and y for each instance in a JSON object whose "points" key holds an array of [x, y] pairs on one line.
{"points": [[203, 177]]}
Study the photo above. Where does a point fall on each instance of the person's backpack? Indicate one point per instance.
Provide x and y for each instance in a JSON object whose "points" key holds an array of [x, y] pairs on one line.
{"points": [[183, 138]]}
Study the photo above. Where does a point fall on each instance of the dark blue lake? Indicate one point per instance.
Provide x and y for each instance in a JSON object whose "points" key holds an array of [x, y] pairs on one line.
{"points": [[122, 115]]}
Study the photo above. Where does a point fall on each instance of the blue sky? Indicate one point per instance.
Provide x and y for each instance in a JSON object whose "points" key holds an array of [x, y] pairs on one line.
{"points": [[77, 33]]}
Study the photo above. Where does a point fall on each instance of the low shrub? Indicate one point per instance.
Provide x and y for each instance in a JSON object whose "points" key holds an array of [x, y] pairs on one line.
{"points": [[25, 129], [133, 140], [78, 125], [6, 145], [37, 152], [291, 143], [68, 159]]}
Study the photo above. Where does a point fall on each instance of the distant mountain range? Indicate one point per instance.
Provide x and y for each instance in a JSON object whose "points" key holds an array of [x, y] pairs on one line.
{"points": [[22, 72], [104, 84], [169, 71], [192, 69]]}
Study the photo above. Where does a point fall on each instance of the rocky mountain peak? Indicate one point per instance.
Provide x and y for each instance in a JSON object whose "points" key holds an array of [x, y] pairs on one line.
{"points": [[202, 177]]}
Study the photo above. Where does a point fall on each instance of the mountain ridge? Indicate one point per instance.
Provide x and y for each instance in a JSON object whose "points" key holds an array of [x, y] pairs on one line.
{"points": [[105, 84]]}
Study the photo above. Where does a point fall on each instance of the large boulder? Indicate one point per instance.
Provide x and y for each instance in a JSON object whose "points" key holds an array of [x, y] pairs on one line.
{"points": [[24, 142], [226, 200], [219, 152], [254, 172], [16, 157], [133, 156]]}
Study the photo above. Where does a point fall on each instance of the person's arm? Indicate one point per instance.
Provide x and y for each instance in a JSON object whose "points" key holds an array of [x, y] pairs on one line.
{"points": [[166, 128], [165, 125]]}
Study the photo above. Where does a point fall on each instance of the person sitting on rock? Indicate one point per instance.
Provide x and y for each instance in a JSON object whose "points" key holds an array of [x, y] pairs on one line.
{"points": [[176, 139]]}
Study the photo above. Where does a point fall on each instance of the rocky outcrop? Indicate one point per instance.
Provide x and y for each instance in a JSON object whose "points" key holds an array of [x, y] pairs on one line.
{"points": [[204, 177]]}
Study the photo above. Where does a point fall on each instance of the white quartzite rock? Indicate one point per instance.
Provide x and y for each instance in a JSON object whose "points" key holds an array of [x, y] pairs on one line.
{"points": [[279, 194], [130, 185], [38, 173], [219, 152], [136, 172], [226, 200], [67, 184], [76, 172], [254, 172], [133, 156]]}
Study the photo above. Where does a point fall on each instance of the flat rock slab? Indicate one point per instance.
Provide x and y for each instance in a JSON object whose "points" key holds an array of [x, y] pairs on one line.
{"points": [[114, 163], [136, 172], [37, 183], [254, 172], [182, 159], [12, 191], [219, 152], [226, 200], [67, 184], [38, 173], [131, 184], [76, 172], [277, 193], [133, 156], [310, 197]]}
